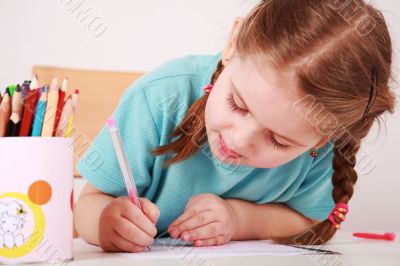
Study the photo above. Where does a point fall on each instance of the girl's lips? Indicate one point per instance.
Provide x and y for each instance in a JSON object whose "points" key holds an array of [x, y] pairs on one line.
{"points": [[225, 150]]}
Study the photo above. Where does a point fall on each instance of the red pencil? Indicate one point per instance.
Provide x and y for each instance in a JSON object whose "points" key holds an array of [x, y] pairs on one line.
{"points": [[385, 236], [30, 107], [60, 104]]}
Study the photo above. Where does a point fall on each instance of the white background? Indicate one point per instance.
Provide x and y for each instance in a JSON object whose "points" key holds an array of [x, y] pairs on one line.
{"points": [[139, 35]]}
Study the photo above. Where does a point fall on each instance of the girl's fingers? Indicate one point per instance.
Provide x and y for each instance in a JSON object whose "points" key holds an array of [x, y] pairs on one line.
{"points": [[132, 233], [200, 219], [150, 210], [119, 243], [214, 241], [204, 232], [188, 213], [137, 217]]}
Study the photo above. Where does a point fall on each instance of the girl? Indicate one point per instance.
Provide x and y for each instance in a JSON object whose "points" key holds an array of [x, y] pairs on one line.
{"points": [[266, 151]]}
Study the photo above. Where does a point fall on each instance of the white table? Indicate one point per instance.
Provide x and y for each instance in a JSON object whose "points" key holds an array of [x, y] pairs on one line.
{"points": [[356, 251]]}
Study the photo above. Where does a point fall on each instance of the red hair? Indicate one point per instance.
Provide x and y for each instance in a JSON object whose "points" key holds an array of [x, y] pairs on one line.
{"points": [[332, 48]]}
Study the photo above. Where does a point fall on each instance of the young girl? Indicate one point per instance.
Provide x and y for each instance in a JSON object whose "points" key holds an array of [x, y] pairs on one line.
{"points": [[256, 142]]}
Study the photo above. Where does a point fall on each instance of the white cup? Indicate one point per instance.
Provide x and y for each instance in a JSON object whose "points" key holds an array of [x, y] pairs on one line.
{"points": [[36, 199]]}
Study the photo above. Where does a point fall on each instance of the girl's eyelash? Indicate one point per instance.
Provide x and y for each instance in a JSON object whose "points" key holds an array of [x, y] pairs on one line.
{"points": [[276, 144], [234, 106]]}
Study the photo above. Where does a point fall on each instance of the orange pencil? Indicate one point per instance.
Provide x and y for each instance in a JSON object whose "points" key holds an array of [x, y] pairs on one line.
{"points": [[51, 108], [5, 113], [61, 97], [30, 107]]}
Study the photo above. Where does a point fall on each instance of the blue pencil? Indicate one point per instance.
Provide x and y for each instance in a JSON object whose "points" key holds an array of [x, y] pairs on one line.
{"points": [[39, 114]]}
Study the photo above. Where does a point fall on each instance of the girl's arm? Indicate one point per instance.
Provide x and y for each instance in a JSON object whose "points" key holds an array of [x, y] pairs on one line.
{"points": [[261, 221], [87, 213]]}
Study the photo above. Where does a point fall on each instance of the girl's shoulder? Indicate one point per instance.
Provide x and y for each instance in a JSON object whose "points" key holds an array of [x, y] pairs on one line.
{"points": [[169, 90]]}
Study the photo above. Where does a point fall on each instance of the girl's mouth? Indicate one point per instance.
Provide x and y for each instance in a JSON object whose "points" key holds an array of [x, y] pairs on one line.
{"points": [[225, 150]]}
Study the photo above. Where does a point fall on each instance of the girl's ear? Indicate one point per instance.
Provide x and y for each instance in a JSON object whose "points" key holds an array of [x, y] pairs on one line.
{"points": [[230, 46]]}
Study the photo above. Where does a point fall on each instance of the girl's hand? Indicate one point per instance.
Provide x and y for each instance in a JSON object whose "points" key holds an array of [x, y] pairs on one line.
{"points": [[124, 227], [207, 220]]}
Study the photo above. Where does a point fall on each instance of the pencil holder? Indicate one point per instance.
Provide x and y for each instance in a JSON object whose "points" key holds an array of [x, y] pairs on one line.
{"points": [[36, 182]]}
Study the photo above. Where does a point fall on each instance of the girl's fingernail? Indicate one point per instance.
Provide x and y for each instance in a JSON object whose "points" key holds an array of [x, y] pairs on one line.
{"points": [[174, 233], [186, 236]]}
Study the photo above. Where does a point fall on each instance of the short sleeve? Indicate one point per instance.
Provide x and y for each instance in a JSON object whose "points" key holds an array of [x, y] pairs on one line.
{"points": [[313, 198], [99, 165]]}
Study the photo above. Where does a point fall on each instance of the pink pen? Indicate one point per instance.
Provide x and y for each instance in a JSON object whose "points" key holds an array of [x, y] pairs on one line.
{"points": [[385, 236], [123, 163]]}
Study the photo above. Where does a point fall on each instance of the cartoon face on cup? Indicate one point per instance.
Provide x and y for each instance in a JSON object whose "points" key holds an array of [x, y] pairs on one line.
{"points": [[11, 221]]}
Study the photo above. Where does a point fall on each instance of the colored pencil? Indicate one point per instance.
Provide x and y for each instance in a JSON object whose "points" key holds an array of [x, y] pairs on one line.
{"points": [[60, 104], [17, 104], [75, 98], [51, 108], [65, 118], [39, 114], [30, 107], [11, 89], [5, 112]]}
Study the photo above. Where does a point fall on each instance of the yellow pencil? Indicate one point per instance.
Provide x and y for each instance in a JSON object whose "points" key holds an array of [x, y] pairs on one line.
{"points": [[75, 97], [51, 109]]}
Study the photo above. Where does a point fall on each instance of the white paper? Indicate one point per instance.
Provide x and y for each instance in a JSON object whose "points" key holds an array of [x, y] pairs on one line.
{"points": [[169, 248]]}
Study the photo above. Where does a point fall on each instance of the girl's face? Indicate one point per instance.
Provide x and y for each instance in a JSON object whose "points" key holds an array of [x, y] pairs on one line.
{"points": [[250, 117]]}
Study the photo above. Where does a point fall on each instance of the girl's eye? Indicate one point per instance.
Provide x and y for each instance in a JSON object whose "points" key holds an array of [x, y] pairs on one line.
{"points": [[276, 144], [234, 106]]}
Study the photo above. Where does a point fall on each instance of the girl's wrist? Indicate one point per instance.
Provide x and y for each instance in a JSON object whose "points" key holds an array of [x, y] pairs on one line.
{"points": [[235, 219]]}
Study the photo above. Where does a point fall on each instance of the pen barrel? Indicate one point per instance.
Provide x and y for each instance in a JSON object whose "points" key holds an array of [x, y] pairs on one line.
{"points": [[369, 236], [124, 165]]}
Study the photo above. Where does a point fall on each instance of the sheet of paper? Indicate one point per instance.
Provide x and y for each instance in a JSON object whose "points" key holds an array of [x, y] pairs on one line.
{"points": [[169, 248]]}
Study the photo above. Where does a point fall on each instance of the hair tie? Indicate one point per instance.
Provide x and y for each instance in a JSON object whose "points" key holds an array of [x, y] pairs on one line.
{"points": [[340, 211], [208, 88]]}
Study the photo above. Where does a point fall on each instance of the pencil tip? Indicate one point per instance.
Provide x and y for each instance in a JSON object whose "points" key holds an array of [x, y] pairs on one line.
{"points": [[34, 82], [64, 84], [18, 88], [54, 84]]}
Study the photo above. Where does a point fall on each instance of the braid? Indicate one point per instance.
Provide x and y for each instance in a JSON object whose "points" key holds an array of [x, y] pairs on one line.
{"points": [[191, 132], [344, 178]]}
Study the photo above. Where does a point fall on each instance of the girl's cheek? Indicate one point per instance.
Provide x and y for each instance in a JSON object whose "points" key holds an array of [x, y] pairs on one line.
{"points": [[216, 113]]}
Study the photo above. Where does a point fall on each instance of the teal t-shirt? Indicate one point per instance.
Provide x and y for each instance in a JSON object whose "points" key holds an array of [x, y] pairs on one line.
{"points": [[151, 108]]}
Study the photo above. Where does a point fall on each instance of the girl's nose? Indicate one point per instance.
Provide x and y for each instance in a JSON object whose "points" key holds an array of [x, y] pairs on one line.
{"points": [[244, 136]]}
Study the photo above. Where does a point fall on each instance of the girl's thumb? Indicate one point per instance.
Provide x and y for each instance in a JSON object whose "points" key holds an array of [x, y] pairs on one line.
{"points": [[150, 210]]}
